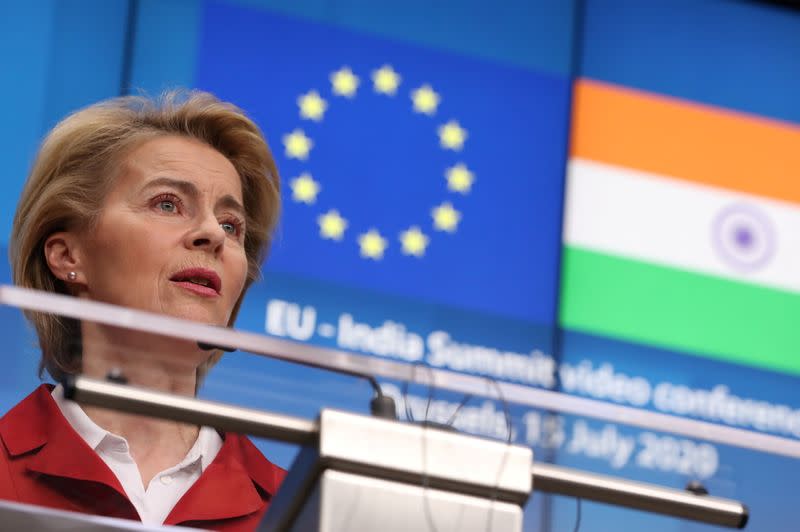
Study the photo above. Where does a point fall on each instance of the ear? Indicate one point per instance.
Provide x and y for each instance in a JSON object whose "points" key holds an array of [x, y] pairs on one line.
{"points": [[63, 255]]}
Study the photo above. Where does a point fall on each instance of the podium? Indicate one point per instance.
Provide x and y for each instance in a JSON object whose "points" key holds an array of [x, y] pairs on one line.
{"points": [[396, 476], [366, 473]]}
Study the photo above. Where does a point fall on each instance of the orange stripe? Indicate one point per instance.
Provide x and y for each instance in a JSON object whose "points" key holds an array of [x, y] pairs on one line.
{"points": [[685, 140]]}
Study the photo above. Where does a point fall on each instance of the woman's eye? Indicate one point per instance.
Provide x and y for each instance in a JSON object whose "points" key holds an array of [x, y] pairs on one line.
{"points": [[167, 206], [229, 227]]}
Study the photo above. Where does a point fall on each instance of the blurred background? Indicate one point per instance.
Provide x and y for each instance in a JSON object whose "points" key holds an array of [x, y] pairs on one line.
{"points": [[598, 197]]}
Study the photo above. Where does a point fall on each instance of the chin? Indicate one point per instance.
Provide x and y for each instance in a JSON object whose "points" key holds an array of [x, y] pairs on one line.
{"points": [[198, 314]]}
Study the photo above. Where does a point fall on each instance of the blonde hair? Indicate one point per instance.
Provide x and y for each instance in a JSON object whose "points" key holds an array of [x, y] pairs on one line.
{"points": [[76, 166]]}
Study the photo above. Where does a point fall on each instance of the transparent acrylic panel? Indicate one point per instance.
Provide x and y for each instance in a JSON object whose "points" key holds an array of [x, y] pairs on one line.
{"points": [[749, 454]]}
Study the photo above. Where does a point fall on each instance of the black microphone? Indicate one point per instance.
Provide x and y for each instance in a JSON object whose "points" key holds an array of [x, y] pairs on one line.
{"points": [[210, 347]]}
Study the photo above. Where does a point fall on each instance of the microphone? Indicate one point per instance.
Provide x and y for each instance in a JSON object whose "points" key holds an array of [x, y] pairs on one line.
{"points": [[210, 347]]}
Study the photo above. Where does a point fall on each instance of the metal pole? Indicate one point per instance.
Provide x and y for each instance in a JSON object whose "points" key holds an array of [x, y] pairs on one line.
{"points": [[638, 495], [135, 400]]}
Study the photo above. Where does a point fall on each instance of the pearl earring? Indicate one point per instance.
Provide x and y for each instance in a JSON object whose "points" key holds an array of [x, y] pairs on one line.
{"points": [[72, 276]]}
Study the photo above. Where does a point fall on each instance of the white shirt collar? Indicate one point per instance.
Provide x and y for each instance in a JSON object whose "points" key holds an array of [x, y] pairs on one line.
{"points": [[204, 450], [155, 501]]}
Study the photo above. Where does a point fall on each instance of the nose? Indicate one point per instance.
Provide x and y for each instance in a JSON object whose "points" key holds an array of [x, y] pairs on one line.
{"points": [[206, 235]]}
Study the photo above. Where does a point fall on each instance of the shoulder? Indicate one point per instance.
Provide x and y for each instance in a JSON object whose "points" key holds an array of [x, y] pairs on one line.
{"points": [[263, 472], [24, 427]]}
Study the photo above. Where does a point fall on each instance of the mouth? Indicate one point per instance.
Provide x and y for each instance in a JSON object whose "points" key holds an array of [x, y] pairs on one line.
{"points": [[201, 281]]}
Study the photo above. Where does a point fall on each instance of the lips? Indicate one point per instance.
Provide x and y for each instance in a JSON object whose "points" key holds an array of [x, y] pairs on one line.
{"points": [[199, 280]]}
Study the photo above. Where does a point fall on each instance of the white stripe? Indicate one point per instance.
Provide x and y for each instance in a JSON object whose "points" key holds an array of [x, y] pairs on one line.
{"points": [[667, 221]]}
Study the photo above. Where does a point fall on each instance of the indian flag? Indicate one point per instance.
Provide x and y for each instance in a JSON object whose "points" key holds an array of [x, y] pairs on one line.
{"points": [[682, 227]]}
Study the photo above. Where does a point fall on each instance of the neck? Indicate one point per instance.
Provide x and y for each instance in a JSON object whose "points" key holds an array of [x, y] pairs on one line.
{"points": [[147, 361]]}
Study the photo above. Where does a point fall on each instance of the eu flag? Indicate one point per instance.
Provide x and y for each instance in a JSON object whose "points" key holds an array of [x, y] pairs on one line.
{"points": [[406, 170]]}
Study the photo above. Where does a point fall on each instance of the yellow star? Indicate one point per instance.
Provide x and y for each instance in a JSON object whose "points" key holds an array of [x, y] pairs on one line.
{"points": [[459, 178], [372, 244], [344, 82], [445, 217], [385, 80], [312, 106], [304, 188], [297, 145], [414, 241], [331, 225], [452, 135], [425, 100]]}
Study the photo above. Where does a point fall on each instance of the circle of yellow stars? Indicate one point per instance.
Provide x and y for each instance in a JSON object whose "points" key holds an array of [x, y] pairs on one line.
{"points": [[344, 83]]}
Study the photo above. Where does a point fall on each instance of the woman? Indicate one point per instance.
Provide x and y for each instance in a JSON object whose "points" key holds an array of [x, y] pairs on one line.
{"points": [[163, 206]]}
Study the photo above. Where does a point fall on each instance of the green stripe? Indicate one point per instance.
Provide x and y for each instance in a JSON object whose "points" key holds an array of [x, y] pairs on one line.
{"points": [[699, 314]]}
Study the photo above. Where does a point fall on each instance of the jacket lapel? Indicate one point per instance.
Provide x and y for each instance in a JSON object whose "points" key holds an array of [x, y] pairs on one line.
{"points": [[36, 431], [239, 482]]}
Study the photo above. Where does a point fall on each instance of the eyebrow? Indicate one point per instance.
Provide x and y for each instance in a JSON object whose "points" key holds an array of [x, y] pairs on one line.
{"points": [[187, 187]]}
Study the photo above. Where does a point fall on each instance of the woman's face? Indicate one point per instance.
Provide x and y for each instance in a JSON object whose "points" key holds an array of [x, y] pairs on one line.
{"points": [[170, 237]]}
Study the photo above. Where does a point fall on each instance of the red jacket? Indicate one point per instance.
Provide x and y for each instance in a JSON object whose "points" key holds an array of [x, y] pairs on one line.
{"points": [[43, 461]]}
